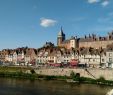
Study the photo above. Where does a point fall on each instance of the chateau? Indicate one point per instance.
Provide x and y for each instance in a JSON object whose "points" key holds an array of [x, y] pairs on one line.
{"points": [[87, 41]]}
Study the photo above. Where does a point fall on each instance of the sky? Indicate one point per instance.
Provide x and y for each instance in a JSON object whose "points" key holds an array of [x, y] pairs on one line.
{"points": [[33, 22]]}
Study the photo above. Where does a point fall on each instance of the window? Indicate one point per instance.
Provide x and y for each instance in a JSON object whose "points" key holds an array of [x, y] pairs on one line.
{"points": [[102, 60], [110, 54], [93, 60], [89, 59], [110, 59]]}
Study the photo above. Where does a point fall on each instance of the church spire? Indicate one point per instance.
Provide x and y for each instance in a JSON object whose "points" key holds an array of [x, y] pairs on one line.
{"points": [[60, 37], [61, 32], [61, 29]]}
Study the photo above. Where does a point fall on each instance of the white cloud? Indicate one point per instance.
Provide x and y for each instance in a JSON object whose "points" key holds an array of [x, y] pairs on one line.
{"points": [[102, 2], [93, 1], [105, 3], [44, 22]]}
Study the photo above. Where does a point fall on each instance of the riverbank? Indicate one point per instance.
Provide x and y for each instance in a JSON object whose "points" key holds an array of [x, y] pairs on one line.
{"points": [[21, 72], [21, 75]]}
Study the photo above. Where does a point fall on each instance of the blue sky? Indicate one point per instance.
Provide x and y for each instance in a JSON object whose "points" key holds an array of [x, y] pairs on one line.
{"points": [[33, 22]]}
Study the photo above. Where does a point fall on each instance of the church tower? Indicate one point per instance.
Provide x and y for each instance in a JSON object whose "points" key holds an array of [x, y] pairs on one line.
{"points": [[60, 37]]}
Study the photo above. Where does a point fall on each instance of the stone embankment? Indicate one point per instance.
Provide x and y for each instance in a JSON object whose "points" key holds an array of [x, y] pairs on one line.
{"points": [[89, 72]]}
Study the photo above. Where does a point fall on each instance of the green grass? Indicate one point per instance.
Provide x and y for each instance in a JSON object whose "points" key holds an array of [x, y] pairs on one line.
{"points": [[13, 69]]}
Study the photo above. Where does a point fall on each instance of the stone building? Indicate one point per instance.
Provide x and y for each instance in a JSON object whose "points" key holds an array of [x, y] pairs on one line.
{"points": [[67, 43], [96, 42], [86, 41]]}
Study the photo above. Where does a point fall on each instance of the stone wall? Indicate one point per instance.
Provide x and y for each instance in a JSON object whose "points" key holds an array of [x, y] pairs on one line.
{"points": [[91, 73], [95, 44]]}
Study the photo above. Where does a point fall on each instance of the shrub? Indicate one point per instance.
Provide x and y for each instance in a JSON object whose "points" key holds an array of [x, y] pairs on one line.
{"points": [[32, 71], [72, 75], [101, 79], [49, 77], [61, 77], [88, 80]]}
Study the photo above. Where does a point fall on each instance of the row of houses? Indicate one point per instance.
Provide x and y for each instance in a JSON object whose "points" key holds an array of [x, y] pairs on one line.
{"points": [[18, 56], [46, 55]]}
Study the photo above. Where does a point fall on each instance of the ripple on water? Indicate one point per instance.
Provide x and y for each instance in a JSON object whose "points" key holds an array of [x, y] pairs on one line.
{"points": [[110, 92]]}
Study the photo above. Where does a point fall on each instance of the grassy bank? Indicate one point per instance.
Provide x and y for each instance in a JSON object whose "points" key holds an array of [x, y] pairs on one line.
{"points": [[16, 72], [100, 81], [13, 69], [19, 72]]}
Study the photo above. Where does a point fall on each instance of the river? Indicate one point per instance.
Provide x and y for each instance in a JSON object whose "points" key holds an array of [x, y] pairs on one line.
{"points": [[28, 87]]}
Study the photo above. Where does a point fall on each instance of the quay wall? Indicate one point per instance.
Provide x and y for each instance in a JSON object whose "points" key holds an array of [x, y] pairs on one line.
{"points": [[90, 72]]}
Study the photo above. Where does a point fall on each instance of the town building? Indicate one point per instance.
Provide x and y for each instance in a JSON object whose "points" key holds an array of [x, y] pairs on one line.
{"points": [[42, 56], [91, 58], [15, 57], [109, 59], [30, 56]]}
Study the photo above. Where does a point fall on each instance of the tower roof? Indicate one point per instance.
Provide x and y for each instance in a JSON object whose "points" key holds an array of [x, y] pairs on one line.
{"points": [[61, 32]]}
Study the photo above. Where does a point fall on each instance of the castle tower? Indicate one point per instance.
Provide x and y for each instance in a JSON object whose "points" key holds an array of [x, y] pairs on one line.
{"points": [[60, 37]]}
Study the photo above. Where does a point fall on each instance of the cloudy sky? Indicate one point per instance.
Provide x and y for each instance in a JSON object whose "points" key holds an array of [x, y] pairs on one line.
{"points": [[33, 22]]}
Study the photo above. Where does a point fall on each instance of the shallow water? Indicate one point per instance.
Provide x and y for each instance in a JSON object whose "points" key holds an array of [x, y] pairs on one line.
{"points": [[27, 87]]}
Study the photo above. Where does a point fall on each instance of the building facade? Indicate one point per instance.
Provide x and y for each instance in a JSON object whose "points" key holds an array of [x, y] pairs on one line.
{"points": [[86, 41], [67, 43], [109, 59]]}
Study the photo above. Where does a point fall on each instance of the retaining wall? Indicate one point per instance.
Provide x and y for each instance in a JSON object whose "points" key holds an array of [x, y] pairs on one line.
{"points": [[91, 73]]}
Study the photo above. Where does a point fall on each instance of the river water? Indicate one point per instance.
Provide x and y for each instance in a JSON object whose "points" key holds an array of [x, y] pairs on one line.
{"points": [[28, 87]]}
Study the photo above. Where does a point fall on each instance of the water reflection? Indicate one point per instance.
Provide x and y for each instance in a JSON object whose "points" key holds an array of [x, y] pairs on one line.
{"points": [[27, 87]]}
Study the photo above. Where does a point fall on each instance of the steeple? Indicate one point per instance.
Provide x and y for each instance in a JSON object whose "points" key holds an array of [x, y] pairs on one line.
{"points": [[60, 34], [60, 37], [61, 29]]}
